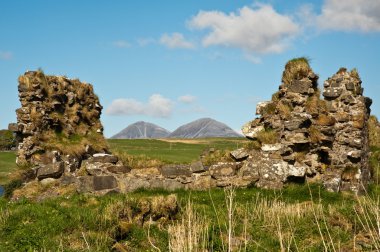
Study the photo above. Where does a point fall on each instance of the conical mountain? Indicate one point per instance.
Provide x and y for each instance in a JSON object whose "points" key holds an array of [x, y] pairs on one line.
{"points": [[204, 127], [142, 130]]}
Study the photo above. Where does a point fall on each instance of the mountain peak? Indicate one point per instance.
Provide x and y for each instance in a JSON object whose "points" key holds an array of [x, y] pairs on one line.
{"points": [[142, 130], [204, 127]]}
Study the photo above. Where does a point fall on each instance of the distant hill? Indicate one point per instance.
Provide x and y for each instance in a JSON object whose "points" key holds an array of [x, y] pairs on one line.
{"points": [[204, 127], [142, 130]]}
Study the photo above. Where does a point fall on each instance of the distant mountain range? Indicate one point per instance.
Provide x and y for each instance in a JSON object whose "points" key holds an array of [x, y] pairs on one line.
{"points": [[142, 130], [201, 128]]}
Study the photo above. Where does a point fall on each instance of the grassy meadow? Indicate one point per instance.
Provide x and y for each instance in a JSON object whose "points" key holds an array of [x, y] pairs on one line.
{"points": [[173, 150], [143, 153], [297, 218], [7, 165]]}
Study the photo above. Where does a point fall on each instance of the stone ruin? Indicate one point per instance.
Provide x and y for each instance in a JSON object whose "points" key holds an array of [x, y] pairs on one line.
{"points": [[58, 125], [298, 137]]}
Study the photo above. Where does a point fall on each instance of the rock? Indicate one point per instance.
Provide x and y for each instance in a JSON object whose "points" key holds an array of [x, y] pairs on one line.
{"points": [[169, 184], [300, 86], [146, 172], [130, 184], [251, 132], [197, 167], [239, 154], [332, 183], [96, 168], [105, 158], [221, 170], [104, 182], [354, 154], [50, 171], [271, 147], [201, 182], [332, 93], [297, 138], [173, 171], [296, 170], [68, 180], [48, 181], [72, 163], [261, 106], [96, 183], [119, 169], [249, 171]]}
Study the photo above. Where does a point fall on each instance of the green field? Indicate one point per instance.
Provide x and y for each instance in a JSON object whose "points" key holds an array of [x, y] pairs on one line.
{"points": [[7, 165], [175, 151], [297, 218]]}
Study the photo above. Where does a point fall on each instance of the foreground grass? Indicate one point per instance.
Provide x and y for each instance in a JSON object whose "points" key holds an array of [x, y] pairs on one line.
{"points": [[7, 166], [175, 151], [297, 218]]}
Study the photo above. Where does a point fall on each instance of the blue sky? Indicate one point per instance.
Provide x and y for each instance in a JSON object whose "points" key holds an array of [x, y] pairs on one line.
{"points": [[170, 62]]}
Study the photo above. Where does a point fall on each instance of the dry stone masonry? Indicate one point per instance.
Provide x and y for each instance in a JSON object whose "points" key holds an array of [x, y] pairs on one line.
{"points": [[296, 137], [58, 124], [299, 136]]}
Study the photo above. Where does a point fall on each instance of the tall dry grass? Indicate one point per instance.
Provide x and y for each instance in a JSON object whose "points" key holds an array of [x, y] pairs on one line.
{"points": [[190, 233]]}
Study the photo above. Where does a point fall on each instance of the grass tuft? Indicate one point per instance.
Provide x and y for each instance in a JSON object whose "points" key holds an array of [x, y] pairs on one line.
{"points": [[296, 69], [268, 136]]}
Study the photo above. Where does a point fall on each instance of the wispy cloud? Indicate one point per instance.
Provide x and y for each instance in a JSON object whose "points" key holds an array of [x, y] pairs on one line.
{"points": [[187, 98], [121, 44], [6, 55], [176, 40], [350, 15], [145, 41], [157, 106], [257, 30]]}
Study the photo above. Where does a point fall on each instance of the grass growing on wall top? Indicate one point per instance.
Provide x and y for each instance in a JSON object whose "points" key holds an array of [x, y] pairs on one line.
{"points": [[297, 69]]}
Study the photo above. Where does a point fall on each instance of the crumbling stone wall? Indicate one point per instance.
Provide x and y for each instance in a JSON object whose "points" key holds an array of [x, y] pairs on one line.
{"points": [[59, 118], [299, 136]]}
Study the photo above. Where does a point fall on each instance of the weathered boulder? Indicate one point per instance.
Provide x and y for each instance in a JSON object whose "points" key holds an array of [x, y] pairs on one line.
{"points": [[54, 170], [239, 154], [173, 171], [223, 169]]}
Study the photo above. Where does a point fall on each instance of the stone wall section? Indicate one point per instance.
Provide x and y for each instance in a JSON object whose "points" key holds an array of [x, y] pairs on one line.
{"points": [[297, 137], [58, 119], [318, 140]]}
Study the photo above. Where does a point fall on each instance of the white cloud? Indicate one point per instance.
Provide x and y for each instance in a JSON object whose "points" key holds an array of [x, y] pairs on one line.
{"points": [[121, 44], [259, 30], [6, 55], [350, 15], [157, 106], [187, 98], [176, 40]]}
